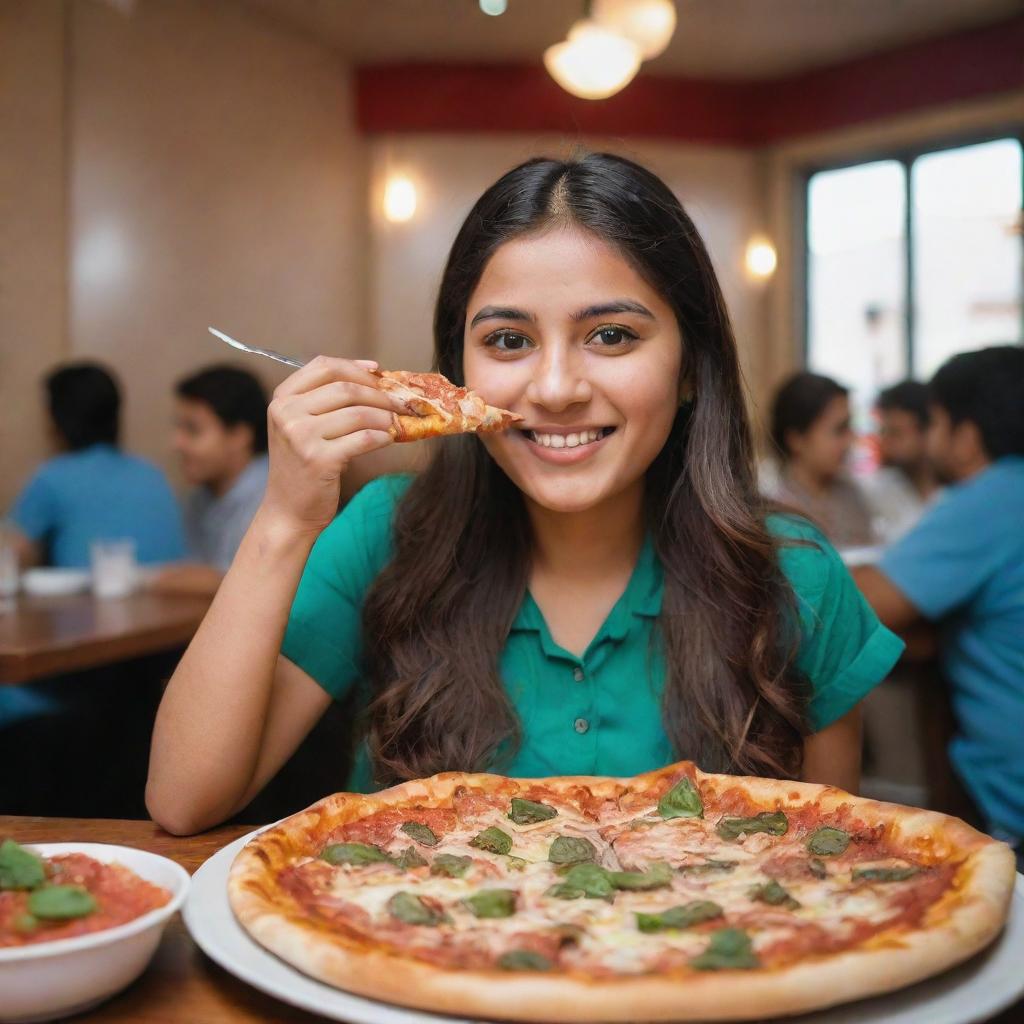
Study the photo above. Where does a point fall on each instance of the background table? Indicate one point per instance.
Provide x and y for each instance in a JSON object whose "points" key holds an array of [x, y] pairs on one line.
{"points": [[181, 986], [44, 636]]}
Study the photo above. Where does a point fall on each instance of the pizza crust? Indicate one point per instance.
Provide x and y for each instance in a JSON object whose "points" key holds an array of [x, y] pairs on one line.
{"points": [[962, 922]]}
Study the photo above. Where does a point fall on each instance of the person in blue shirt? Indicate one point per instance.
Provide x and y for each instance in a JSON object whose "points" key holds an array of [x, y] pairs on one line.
{"points": [[93, 490], [962, 567]]}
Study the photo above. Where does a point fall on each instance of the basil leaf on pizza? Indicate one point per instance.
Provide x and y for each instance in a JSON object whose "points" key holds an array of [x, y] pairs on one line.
{"points": [[571, 850], [410, 908], [685, 916], [681, 801], [708, 867], [421, 833], [529, 812], [729, 949], [354, 853], [409, 858], [657, 876], [524, 960], [773, 822], [584, 880], [828, 841], [492, 902], [450, 864], [883, 874], [772, 893], [493, 840]]}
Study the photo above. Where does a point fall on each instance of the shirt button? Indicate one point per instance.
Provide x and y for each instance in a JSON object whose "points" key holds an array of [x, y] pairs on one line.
{"points": [[581, 725], [577, 674]]}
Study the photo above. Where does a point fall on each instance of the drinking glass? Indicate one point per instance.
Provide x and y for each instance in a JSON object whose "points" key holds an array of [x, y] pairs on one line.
{"points": [[114, 572]]}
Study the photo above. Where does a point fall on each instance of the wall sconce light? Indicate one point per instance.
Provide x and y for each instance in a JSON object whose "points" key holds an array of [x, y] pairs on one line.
{"points": [[761, 258], [494, 7], [594, 62], [648, 23], [399, 199]]}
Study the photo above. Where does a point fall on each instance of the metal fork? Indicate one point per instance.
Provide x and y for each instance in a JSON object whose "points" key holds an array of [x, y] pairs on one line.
{"points": [[269, 353]]}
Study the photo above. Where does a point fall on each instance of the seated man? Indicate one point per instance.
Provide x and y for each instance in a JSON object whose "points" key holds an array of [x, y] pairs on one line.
{"points": [[220, 436], [906, 483], [962, 566], [92, 490]]}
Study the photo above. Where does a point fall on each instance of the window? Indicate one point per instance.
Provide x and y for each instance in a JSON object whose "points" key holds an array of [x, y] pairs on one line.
{"points": [[911, 260]]}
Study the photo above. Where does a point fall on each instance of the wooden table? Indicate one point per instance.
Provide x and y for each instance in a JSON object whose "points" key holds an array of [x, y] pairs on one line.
{"points": [[182, 986], [43, 636]]}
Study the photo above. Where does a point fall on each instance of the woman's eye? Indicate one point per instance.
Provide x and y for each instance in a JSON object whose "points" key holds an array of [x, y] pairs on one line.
{"points": [[610, 337], [508, 342]]}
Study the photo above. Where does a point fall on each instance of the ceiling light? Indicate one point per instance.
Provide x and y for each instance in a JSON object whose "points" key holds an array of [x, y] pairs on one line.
{"points": [[399, 199], [594, 62], [648, 23], [761, 258], [494, 7]]}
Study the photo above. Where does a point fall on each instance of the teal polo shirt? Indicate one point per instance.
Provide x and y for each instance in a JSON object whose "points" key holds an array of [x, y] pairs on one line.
{"points": [[599, 714]]}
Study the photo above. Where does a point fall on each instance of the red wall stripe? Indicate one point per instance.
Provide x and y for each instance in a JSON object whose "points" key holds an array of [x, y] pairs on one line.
{"points": [[454, 98]]}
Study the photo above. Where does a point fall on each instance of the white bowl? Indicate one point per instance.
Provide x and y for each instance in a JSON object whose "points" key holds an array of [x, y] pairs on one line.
{"points": [[51, 582], [47, 980]]}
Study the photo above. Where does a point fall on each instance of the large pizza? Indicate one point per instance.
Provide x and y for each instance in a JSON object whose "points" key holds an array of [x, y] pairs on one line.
{"points": [[674, 895]]}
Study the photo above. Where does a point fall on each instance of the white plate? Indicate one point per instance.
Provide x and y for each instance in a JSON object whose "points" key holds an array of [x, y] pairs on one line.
{"points": [[971, 992], [50, 582]]}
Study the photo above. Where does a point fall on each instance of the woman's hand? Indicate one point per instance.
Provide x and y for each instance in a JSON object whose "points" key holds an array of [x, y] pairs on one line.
{"points": [[321, 418]]}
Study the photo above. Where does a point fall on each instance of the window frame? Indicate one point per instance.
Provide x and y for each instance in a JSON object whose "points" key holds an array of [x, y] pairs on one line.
{"points": [[906, 156]]}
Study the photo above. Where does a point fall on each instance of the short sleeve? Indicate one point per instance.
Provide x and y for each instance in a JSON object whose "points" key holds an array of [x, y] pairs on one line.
{"points": [[324, 632], [945, 560], [35, 510], [844, 650]]}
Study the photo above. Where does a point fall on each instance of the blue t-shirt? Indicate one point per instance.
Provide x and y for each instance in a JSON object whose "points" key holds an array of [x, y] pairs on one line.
{"points": [[99, 493], [963, 564]]}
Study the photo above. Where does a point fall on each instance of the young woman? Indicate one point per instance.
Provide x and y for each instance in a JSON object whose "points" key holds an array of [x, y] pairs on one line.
{"points": [[599, 592], [812, 434]]}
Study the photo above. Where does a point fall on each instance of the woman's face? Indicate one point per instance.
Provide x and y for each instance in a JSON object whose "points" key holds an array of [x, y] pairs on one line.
{"points": [[564, 332], [823, 448]]}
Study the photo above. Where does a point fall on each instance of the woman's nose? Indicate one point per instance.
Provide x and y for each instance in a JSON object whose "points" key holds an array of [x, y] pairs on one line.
{"points": [[561, 382]]}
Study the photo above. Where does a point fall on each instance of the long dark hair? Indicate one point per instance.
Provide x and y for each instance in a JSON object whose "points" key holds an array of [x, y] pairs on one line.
{"points": [[438, 616], [798, 404]]}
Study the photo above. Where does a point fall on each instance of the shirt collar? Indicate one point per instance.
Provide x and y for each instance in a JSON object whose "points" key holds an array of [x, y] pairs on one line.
{"points": [[642, 597]]}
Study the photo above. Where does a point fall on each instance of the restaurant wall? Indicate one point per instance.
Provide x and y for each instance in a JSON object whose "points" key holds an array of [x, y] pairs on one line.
{"points": [[215, 178], [32, 226], [719, 186], [183, 164]]}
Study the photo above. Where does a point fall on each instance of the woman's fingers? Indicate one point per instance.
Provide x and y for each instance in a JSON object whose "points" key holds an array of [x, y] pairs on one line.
{"points": [[324, 369], [339, 422], [345, 449], [340, 394]]}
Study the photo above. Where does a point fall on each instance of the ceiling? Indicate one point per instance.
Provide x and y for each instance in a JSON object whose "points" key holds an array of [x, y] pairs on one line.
{"points": [[714, 39]]}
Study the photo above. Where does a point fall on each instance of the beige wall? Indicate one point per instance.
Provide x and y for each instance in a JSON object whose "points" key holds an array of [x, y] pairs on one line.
{"points": [[720, 187], [202, 164], [215, 179], [32, 226]]}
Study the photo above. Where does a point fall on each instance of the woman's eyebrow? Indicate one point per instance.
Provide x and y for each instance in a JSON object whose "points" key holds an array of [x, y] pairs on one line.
{"points": [[617, 306], [501, 313]]}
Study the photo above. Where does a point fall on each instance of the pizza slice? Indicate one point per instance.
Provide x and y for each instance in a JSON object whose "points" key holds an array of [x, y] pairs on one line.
{"points": [[437, 406]]}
